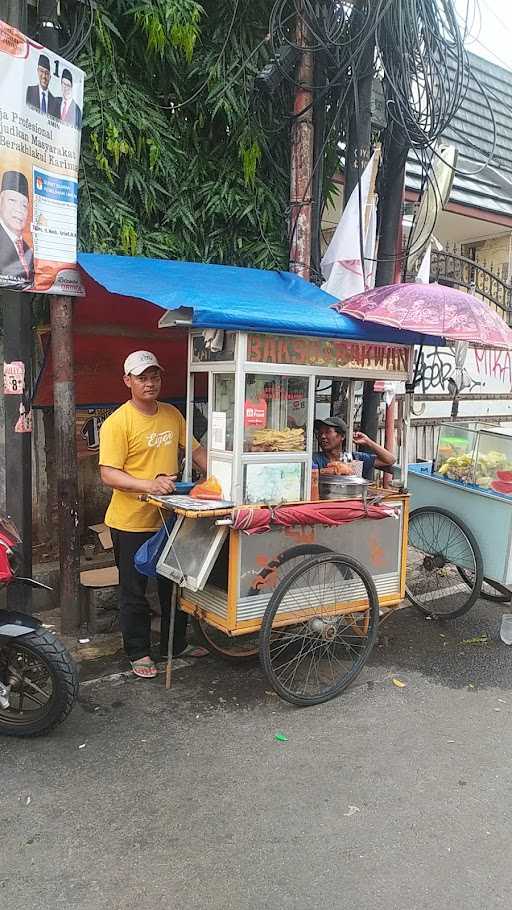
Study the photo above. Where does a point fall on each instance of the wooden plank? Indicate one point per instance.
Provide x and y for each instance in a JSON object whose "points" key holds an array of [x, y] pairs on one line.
{"points": [[100, 578]]}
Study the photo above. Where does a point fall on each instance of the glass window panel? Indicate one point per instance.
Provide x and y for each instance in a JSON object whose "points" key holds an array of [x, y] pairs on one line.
{"points": [[275, 413], [274, 483], [205, 347], [193, 550], [223, 412]]}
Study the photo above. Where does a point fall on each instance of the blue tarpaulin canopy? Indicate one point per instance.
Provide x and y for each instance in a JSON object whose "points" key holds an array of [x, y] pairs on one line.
{"points": [[227, 297]]}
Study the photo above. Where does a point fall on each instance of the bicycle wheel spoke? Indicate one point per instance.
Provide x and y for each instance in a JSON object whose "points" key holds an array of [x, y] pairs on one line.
{"points": [[441, 556], [314, 660]]}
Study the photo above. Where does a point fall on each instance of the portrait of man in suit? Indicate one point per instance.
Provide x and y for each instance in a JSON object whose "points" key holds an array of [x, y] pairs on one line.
{"points": [[39, 96], [16, 256], [69, 110]]}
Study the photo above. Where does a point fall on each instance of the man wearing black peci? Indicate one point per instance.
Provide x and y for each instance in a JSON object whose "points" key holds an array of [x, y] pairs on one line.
{"points": [[69, 111], [38, 96]]}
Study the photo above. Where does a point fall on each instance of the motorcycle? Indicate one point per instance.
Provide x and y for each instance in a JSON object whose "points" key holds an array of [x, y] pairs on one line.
{"points": [[38, 678]]}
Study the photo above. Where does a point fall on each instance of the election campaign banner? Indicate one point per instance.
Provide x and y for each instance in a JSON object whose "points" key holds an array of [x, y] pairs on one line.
{"points": [[41, 103]]}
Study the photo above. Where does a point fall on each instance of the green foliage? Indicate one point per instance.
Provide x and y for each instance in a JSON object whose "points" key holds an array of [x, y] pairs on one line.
{"points": [[176, 160]]}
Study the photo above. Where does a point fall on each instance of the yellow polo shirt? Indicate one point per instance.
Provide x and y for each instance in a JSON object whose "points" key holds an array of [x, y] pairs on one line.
{"points": [[143, 446]]}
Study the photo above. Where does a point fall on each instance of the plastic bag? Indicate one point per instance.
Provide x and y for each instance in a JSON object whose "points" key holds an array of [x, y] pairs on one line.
{"points": [[147, 556]]}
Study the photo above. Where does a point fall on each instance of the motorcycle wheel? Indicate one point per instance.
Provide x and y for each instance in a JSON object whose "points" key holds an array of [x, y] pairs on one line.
{"points": [[43, 682]]}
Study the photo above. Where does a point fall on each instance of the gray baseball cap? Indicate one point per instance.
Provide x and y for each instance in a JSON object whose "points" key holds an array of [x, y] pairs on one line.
{"points": [[336, 422]]}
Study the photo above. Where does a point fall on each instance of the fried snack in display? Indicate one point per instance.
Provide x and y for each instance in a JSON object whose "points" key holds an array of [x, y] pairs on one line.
{"points": [[338, 468], [290, 440]]}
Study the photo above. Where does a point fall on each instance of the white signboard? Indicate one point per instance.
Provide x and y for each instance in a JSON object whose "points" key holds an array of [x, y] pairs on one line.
{"points": [[14, 378], [219, 430]]}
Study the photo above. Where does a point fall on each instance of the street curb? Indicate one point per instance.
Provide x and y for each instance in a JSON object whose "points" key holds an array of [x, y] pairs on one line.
{"points": [[177, 664]]}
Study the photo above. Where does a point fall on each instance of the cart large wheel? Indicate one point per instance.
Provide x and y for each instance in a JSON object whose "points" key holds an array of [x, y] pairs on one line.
{"points": [[236, 649], [492, 591], [440, 546], [314, 659], [242, 649]]}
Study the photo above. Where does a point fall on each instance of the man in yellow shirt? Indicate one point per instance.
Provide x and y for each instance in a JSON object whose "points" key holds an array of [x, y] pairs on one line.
{"points": [[139, 448]]}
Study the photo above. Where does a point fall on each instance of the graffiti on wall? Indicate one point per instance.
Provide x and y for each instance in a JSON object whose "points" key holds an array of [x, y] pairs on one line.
{"points": [[495, 364], [483, 372]]}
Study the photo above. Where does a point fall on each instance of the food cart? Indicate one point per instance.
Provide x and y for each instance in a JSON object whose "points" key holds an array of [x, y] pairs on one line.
{"points": [[460, 535], [266, 569]]}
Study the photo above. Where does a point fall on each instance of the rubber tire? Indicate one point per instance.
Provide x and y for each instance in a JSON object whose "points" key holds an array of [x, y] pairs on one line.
{"points": [[45, 646], [202, 639], [504, 597], [478, 564], [198, 624], [273, 607]]}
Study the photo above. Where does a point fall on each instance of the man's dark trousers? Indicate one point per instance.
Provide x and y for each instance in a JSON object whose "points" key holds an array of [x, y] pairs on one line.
{"points": [[134, 609]]}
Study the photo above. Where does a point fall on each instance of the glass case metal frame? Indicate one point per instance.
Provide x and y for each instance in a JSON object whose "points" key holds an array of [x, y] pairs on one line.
{"points": [[241, 366]]}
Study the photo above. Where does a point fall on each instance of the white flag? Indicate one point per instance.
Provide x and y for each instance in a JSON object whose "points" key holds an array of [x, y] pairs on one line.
{"points": [[341, 264], [423, 276]]}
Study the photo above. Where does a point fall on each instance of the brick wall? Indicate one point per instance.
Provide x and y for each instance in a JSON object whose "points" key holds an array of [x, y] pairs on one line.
{"points": [[494, 254]]}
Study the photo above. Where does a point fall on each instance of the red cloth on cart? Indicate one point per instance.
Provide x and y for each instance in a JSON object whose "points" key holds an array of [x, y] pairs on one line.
{"points": [[330, 512]]}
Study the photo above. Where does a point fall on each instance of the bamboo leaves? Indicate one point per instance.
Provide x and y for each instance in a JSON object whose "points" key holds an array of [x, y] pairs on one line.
{"points": [[174, 161]]}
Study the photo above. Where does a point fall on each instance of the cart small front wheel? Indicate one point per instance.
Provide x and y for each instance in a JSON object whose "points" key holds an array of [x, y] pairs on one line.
{"points": [[236, 649], [325, 645], [444, 564]]}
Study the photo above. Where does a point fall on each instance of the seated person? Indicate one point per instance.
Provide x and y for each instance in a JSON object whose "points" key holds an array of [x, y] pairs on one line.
{"points": [[331, 434]]}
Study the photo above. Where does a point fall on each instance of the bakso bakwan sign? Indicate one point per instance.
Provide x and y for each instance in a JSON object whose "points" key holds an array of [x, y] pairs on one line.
{"points": [[41, 103], [355, 358]]}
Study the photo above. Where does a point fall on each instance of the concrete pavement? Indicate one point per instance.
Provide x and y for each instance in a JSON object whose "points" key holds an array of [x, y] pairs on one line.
{"points": [[394, 798]]}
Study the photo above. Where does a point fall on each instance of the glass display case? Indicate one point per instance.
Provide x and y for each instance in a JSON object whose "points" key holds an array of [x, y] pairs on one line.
{"points": [[493, 462], [455, 453], [275, 413], [480, 457]]}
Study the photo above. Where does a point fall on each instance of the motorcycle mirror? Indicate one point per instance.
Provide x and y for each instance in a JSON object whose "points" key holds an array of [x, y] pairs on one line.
{"points": [[32, 583]]}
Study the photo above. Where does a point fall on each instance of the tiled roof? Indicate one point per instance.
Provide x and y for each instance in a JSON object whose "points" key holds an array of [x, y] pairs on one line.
{"points": [[472, 130]]}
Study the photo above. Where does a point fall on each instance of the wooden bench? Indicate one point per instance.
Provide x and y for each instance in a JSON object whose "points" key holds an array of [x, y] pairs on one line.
{"points": [[92, 580]]}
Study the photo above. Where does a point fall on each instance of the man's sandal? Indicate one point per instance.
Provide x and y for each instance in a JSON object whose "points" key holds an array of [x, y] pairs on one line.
{"points": [[144, 667], [193, 651]]}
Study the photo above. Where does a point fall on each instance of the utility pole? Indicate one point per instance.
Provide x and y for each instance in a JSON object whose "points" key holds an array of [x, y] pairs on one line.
{"points": [[318, 172], [359, 149], [17, 329], [391, 192], [391, 195], [61, 315], [302, 141], [66, 465], [48, 24], [359, 144]]}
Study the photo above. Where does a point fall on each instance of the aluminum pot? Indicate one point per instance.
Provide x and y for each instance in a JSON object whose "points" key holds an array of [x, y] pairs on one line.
{"points": [[340, 486]]}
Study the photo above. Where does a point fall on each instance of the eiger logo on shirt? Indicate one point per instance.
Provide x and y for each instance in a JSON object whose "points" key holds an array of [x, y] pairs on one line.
{"points": [[156, 440]]}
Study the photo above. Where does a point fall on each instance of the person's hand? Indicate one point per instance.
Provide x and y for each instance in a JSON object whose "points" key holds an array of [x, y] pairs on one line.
{"points": [[361, 439], [162, 485]]}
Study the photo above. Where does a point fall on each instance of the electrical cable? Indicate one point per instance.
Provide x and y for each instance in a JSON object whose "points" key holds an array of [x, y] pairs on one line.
{"points": [[426, 74], [420, 58], [77, 29]]}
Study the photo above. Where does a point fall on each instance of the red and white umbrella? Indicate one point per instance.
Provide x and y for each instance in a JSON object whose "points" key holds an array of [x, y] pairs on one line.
{"points": [[431, 309]]}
